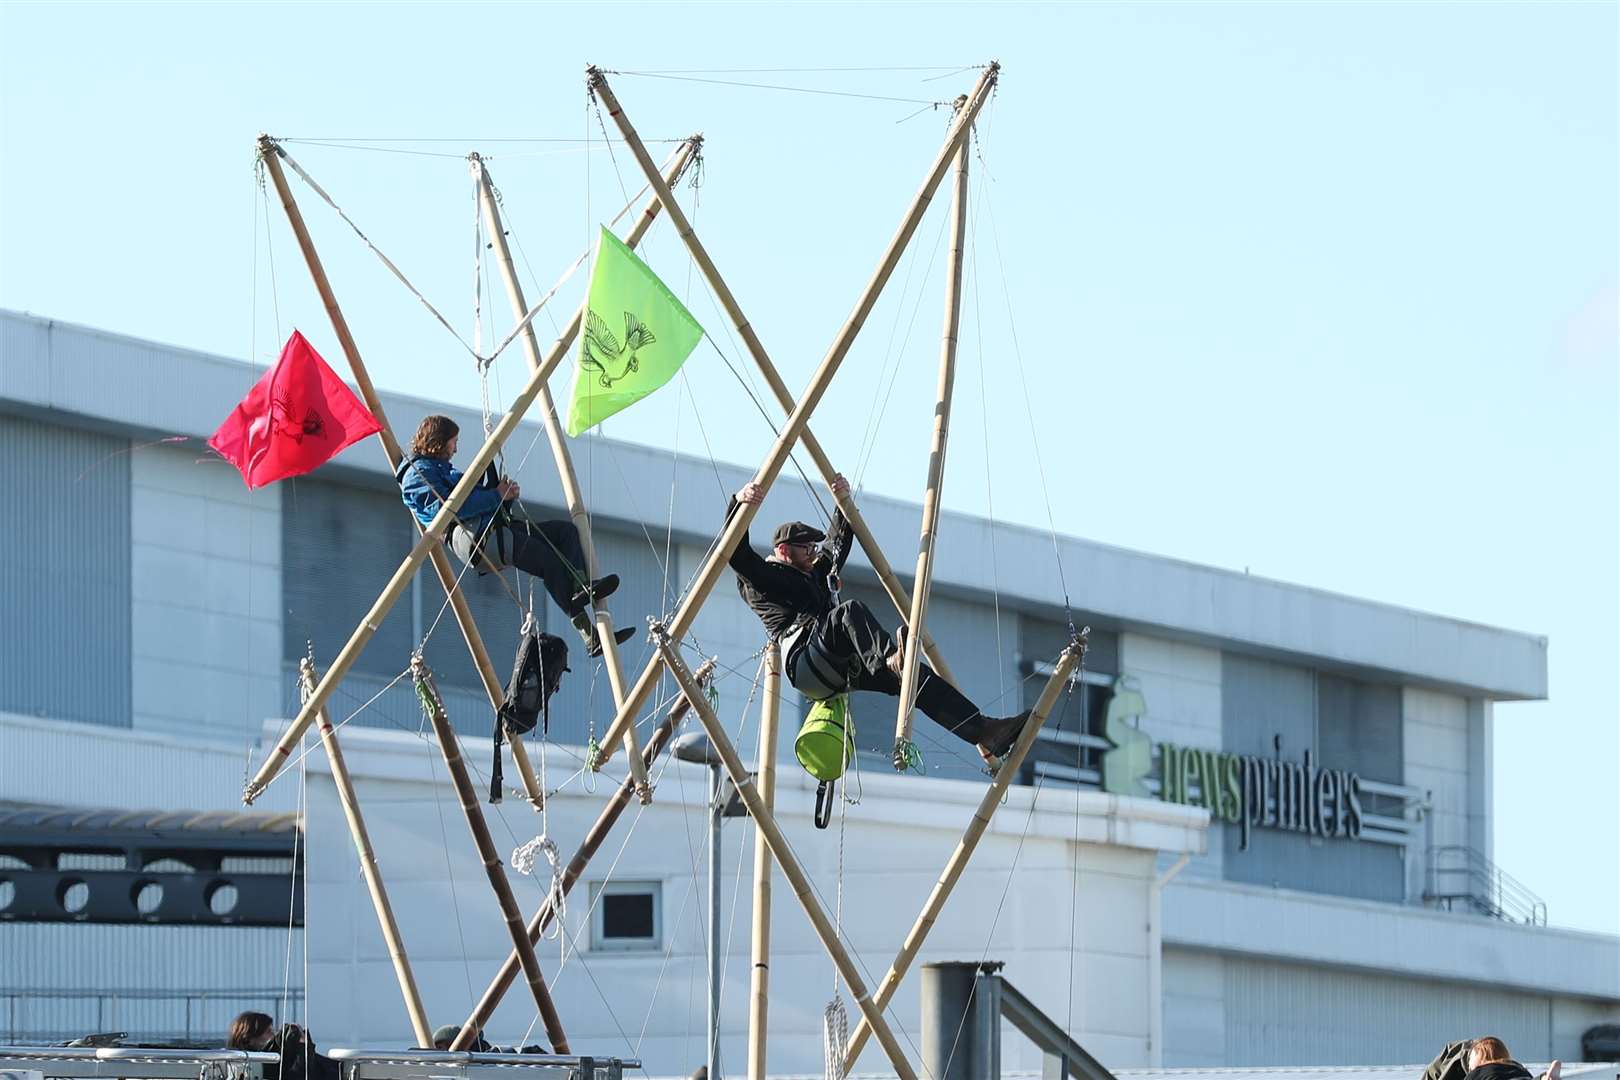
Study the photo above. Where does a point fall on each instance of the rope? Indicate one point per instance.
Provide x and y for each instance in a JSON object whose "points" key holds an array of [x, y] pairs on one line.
{"points": [[773, 86]]}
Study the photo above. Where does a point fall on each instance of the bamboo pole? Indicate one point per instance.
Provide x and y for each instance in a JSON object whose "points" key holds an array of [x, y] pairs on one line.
{"points": [[952, 873], [576, 866], [431, 536], [923, 582], [759, 990], [738, 524], [271, 153], [368, 867], [450, 747], [756, 349], [783, 853], [572, 497]]}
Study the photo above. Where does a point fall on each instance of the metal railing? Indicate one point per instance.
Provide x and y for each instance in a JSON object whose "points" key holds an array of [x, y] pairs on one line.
{"points": [[195, 1017], [120, 1063], [1459, 874], [445, 1065], [963, 1005]]}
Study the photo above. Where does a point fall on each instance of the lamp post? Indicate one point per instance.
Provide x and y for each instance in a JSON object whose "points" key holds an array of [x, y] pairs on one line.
{"points": [[694, 747]]}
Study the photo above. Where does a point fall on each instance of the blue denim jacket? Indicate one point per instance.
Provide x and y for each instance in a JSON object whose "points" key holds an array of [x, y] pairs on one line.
{"points": [[424, 484]]}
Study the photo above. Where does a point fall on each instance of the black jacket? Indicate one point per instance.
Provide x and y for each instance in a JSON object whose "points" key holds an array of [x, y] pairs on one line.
{"points": [[1499, 1070], [780, 595]]}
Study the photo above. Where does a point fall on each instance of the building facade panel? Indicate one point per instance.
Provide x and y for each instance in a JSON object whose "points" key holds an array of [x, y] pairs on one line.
{"points": [[66, 588]]}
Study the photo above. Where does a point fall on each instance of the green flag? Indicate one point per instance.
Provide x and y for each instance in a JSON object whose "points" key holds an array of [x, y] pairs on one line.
{"points": [[636, 336]]}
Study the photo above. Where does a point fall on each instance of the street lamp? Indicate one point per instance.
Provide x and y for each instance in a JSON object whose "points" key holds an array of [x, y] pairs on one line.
{"points": [[694, 747]]}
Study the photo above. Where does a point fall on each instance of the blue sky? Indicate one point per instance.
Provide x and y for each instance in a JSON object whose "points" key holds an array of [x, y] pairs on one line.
{"points": [[1325, 292]]}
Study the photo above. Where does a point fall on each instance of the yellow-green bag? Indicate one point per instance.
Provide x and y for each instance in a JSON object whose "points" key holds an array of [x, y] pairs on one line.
{"points": [[826, 741]]}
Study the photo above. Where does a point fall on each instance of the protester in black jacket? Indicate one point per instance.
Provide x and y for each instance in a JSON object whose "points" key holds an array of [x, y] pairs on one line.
{"points": [[830, 646], [299, 1058]]}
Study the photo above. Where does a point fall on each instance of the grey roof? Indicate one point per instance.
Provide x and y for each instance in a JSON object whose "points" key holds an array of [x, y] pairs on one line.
{"points": [[111, 382]]}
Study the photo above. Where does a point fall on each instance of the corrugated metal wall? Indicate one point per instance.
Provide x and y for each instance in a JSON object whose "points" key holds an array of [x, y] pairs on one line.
{"points": [[62, 979], [1283, 1014], [66, 595]]}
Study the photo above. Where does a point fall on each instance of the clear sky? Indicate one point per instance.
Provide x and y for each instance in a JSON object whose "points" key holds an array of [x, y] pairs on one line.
{"points": [[1326, 292]]}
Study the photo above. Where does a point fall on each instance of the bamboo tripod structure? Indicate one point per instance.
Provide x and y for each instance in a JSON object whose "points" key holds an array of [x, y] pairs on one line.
{"points": [[430, 541], [760, 981], [1067, 661], [368, 866], [916, 618], [271, 154], [450, 747], [554, 431], [780, 850], [756, 349], [587, 850], [709, 575]]}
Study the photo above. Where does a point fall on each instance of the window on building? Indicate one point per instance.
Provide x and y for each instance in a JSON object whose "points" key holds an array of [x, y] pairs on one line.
{"points": [[626, 915]]}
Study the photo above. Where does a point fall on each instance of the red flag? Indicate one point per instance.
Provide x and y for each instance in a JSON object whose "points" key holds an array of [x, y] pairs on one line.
{"points": [[294, 420]]}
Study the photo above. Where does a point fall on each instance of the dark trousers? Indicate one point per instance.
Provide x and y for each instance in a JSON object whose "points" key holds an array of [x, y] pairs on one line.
{"points": [[550, 551], [852, 637]]}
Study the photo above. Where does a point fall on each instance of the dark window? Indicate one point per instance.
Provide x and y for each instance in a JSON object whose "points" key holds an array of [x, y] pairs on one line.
{"points": [[626, 915]]}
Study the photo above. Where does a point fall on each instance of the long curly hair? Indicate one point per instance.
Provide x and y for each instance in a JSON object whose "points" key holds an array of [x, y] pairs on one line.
{"points": [[433, 436], [246, 1030]]}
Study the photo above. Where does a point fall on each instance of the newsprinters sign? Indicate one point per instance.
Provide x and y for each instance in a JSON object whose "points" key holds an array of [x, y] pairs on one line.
{"points": [[1268, 792], [1243, 790]]}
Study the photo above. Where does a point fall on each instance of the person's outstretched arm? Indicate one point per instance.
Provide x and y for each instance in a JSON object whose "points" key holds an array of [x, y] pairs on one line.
{"points": [[744, 560]]}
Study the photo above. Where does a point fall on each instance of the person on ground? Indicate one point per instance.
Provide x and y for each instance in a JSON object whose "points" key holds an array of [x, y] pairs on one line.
{"points": [[486, 533], [1484, 1058], [299, 1058], [830, 646]]}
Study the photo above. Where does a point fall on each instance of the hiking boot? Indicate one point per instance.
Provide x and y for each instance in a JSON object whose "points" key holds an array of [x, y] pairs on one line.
{"points": [[601, 589], [593, 647], [999, 736]]}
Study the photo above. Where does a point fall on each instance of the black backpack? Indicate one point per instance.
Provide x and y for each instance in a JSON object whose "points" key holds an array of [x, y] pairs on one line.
{"points": [[537, 672]]}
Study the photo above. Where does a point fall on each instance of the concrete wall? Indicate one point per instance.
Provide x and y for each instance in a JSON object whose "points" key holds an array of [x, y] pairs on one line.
{"points": [[651, 1003], [1436, 742], [205, 617]]}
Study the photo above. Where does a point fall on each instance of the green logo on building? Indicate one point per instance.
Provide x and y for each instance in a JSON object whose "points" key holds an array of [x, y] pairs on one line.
{"points": [[1126, 765]]}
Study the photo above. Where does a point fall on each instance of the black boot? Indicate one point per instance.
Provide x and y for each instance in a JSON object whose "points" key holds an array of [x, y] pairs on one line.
{"points": [[593, 647], [996, 737], [601, 589]]}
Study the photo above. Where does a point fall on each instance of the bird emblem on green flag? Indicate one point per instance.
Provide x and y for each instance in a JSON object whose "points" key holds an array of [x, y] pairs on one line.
{"points": [[659, 334]]}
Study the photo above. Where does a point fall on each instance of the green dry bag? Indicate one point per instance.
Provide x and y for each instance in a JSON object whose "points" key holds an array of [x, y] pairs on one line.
{"points": [[826, 741]]}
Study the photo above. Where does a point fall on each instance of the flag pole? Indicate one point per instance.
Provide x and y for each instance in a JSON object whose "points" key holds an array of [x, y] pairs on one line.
{"points": [[923, 582], [1067, 661], [430, 538], [576, 866], [270, 152], [777, 842], [450, 747], [846, 503], [760, 984], [554, 433], [368, 866], [709, 575]]}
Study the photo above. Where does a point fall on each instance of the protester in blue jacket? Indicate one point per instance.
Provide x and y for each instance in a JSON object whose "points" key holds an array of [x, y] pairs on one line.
{"points": [[486, 534]]}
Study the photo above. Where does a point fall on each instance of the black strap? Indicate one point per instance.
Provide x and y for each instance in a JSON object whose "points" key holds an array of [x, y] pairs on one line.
{"points": [[495, 792]]}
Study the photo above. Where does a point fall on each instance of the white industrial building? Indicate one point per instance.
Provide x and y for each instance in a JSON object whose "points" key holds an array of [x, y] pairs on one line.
{"points": [[155, 625]]}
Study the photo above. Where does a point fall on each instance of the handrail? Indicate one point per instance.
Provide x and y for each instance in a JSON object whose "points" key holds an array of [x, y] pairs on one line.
{"points": [[1045, 1033], [1484, 885]]}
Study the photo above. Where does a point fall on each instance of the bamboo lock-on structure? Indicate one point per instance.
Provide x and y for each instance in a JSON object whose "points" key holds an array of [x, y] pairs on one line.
{"points": [[669, 633]]}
